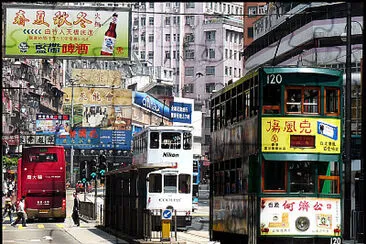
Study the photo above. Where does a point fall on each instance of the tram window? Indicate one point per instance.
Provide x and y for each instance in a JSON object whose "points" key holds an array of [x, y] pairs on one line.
{"points": [[154, 140], [311, 100], [171, 140], [170, 184], [274, 176], [271, 100], [187, 141], [155, 183], [301, 176], [328, 178], [293, 102], [184, 183], [332, 101]]}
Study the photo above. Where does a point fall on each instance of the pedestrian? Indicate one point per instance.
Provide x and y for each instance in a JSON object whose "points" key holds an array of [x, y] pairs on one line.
{"points": [[8, 209], [21, 214], [5, 188], [10, 188], [75, 209]]}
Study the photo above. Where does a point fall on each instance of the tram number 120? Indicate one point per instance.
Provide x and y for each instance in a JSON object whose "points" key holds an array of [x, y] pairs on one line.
{"points": [[335, 240]]}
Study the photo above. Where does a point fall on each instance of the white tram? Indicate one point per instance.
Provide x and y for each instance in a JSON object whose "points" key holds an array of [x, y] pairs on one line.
{"points": [[169, 148]]}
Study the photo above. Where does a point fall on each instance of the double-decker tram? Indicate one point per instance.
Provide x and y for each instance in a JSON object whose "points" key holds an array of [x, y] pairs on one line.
{"points": [[276, 157], [170, 148]]}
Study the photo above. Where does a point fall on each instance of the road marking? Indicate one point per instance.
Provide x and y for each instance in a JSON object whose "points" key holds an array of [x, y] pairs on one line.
{"points": [[41, 226], [35, 240], [60, 225]]}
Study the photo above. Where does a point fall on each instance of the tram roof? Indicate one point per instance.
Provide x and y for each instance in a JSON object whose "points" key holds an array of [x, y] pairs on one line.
{"points": [[145, 168], [167, 128]]}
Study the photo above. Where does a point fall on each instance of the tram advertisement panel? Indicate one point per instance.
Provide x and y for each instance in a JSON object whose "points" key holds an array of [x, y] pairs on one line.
{"points": [[301, 135], [230, 214], [300, 216]]}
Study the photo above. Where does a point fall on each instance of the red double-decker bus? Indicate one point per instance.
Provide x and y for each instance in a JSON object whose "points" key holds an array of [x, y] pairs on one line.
{"points": [[41, 178]]}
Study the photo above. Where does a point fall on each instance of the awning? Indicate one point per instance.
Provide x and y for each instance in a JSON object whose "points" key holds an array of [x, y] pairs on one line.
{"points": [[301, 157]]}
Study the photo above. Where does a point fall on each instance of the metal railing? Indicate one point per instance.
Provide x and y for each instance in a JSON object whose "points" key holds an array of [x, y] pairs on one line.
{"points": [[152, 228]]}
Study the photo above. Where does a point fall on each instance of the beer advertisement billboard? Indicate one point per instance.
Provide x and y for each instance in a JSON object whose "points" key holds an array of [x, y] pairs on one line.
{"points": [[67, 32]]}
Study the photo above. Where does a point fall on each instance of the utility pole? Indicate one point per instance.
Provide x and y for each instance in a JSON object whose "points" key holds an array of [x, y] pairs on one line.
{"points": [[347, 152]]}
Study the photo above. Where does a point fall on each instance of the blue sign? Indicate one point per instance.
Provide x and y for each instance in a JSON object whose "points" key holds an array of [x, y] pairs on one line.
{"points": [[80, 138], [181, 112], [149, 102], [167, 214], [115, 139]]}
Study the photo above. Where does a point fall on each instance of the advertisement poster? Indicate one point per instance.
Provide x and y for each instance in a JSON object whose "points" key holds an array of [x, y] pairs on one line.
{"points": [[115, 139], [61, 31], [80, 138], [312, 135], [51, 124], [181, 112], [300, 216]]}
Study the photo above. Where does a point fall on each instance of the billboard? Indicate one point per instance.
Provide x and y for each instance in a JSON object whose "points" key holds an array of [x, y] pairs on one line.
{"points": [[67, 32], [181, 112], [97, 77], [80, 138], [280, 215], [51, 124], [148, 102], [301, 135]]}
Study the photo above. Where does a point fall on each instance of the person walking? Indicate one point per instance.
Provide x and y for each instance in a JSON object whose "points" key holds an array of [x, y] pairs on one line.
{"points": [[21, 214], [8, 209], [75, 209], [10, 188]]}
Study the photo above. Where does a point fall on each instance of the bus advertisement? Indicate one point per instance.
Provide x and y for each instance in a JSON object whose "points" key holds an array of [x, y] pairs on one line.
{"points": [[41, 179], [276, 157]]}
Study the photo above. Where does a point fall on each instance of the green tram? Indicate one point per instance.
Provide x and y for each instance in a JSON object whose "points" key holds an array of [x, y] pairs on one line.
{"points": [[276, 157]]}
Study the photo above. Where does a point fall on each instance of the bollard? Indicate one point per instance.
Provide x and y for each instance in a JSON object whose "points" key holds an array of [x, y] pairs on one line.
{"points": [[166, 219]]}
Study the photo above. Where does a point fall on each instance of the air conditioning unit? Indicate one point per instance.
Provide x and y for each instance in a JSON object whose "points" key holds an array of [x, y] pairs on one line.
{"points": [[135, 27], [13, 115]]}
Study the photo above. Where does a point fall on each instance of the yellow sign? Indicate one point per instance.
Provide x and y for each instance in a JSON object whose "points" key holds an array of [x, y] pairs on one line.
{"points": [[301, 135], [98, 96], [97, 77]]}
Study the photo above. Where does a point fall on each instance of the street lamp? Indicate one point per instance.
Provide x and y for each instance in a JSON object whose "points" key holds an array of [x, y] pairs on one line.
{"points": [[72, 82]]}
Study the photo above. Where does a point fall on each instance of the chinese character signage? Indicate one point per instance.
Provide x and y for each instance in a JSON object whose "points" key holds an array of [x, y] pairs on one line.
{"points": [[80, 138], [50, 124], [181, 112], [282, 216], [67, 32], [99, 77], [304, 135]]}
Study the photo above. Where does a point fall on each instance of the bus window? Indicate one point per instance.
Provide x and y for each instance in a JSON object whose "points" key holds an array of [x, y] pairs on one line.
{"points": [[271, 100], [154, 140], [184, 183], [43, 157], [274, 176], [332, 101], [155, 183], [301, 177], [170, 184]]}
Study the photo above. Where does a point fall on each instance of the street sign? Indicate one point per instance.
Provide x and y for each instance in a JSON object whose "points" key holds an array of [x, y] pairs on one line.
{"points": [[167, 214]]}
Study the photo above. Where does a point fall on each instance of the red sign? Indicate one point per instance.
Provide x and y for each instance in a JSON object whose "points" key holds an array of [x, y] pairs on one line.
{"points": [[302, 141]]}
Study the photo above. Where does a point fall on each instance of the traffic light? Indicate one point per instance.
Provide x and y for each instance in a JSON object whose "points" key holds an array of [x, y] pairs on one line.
{"points": [[102, 164], [83, 173], [93, 169]]}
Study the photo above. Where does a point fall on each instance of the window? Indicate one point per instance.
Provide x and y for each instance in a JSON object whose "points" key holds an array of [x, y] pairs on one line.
{"points": [[151, 20], [189, 53], [271, 99], [184, 183], [252, 11], [167, 20], [151, 4], [187, 140], [189, 71], [151, 54], [226, 53], [143, 21], [167, 55], [143, 55], [151, 37], [190, 20], [189, 88], [226, 70], [170, 140], [155, 183], [143, 38], [174, 54], [167, 37], [210, 70], [302, 100], [170, 183], [154, 140], [210, 35], [274, 176], [332, 101], [210, 87], [250, 32], [189, 37], [211, 53], [301, 175], [190, 5]]}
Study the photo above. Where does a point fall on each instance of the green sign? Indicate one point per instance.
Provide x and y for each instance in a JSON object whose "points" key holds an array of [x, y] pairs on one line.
{"points": [[67, 32]]}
